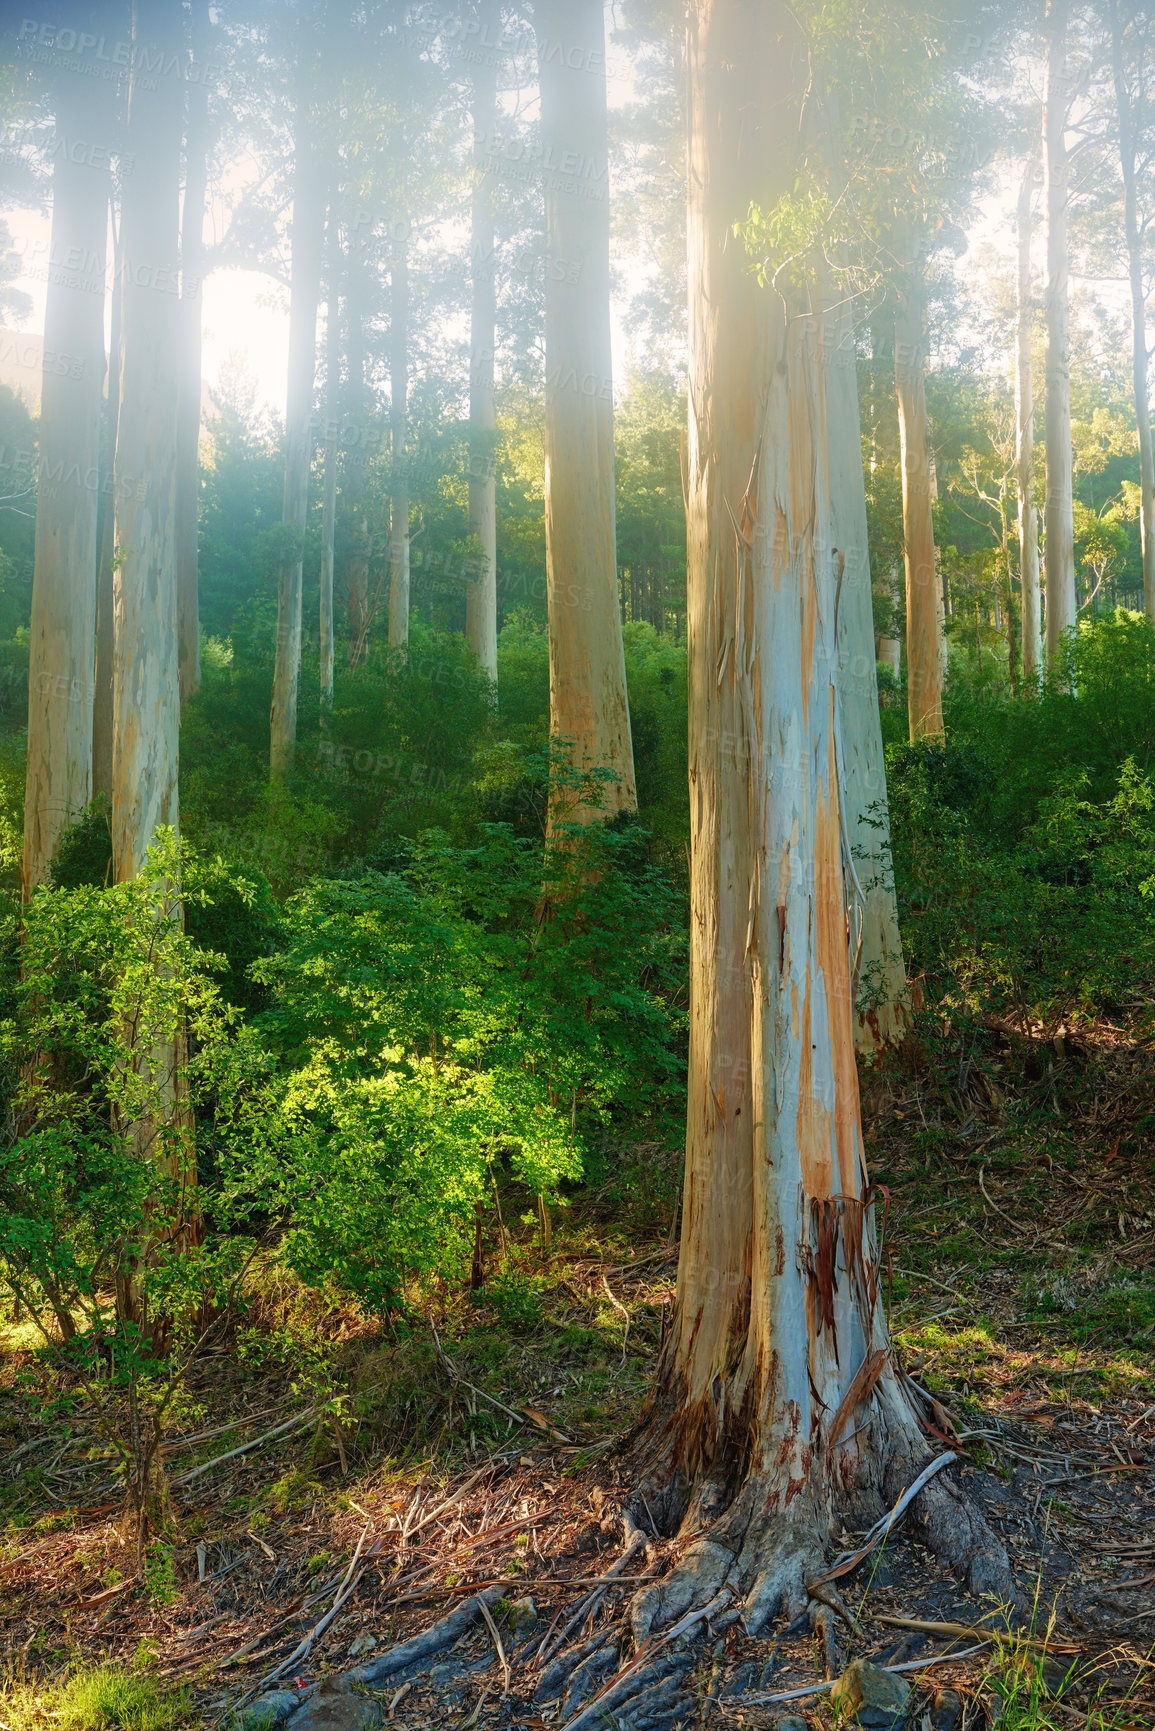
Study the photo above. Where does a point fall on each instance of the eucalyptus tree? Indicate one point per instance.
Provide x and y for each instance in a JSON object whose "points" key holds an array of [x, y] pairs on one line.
{"points": [[304, 293], [1059, 514], [58, 773], [481, 596], [192, 270], [779, 1407], [589, 707], [1028, 520]]}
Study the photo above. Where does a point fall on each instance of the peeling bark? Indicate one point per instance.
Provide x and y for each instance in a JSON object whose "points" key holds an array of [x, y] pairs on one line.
{"points": [[589, 708], [1060, 525], [102, 700], [58, 776], [481, 595], [778, 1397], [1025, 437]]}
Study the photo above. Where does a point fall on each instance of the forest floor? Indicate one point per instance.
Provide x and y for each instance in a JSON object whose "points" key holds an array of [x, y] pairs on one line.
{"points": [[475, 1449]]}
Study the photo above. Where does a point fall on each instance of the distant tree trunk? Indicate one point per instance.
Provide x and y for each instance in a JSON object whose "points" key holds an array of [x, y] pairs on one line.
{"points": [[924, 604], [1062, 606], [146, 695], [1139, 353], [399, 423], [1025, 439], [589, 707], [304, 292], [102, 699], [353, 493], [192, 264], [778, 1407], [878, 974], [481, 596], [58, 775], [332, 408]]}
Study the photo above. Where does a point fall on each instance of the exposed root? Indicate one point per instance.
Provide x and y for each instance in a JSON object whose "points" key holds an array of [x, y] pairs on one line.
{"points": [[955, 1528]]}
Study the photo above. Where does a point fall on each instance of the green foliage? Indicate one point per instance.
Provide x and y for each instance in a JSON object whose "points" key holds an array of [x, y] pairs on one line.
{"points": [[109, 1698]]}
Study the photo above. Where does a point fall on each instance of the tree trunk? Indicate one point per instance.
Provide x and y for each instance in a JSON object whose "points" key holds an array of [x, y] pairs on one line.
{"points": [[1060, 528], [589, 707], [304, 292], [146, 700], [399, 424], [58, 776], [1025, 439], [353, 493], [102, 698], [1139, 355], [878, 974], [777, 1375], [924, 603], [192, 263], [481, 596], [146, 696], [332, 407]]}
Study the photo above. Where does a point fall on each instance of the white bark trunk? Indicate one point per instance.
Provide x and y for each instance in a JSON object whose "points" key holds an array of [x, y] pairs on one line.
{"points": [[778, 1301], [882, 1010], [924, 602], [589, 707], [1060, 527], [481, 596], [1139, 354], [102, 699], [357, 616], [192, 264], [332, 402], [399, 420], [1030, 600], [58, 776], [146, 694], [304, 292]]}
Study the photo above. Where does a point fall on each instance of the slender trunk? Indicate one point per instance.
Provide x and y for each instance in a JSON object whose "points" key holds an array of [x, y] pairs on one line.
{"points": [[146, 696], [924, 605], [481, 596], [878, 974], [332, 400], [399, 424], [58, 776], [353, 493], [1025, 439], [146, 702], [304, 292], [192, 263], [589, 707], [1139, 355], [1060, 528], [102, 699]]}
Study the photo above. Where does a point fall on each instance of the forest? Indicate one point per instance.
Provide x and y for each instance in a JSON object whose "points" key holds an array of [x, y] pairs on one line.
{"points": [[577, 865]]}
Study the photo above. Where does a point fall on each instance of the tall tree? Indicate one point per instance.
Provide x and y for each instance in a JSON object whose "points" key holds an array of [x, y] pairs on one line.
{"points": [[481, 596], [399, 435], [589, 707], [304, 293], [1133, 232], [357, 607], [924, 601], [332, 404], [779, 1403], [1030, 600], [1060, 524], [192, 266], [102, 696], [58, 776], [878, 972]]}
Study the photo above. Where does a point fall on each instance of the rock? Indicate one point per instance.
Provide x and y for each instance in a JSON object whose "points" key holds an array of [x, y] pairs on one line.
{"points": [[363, 1644], [333, 1708], [790, 1722], [268, 1711], [521, 1616], [871, 1695], [946, 1713]]}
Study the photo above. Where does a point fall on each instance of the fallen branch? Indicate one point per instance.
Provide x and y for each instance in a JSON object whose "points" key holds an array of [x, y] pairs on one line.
{"points": [[823, 1688], [637, 1542], [496, 1638], [244, 1449], [843, 1564], [301, 1651]]}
